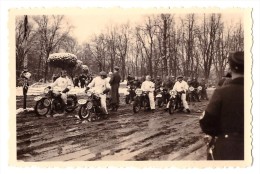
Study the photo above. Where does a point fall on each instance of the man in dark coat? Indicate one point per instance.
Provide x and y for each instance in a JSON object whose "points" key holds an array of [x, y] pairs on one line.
{"points": [[158, 82], [195, 84], [224, 116], [76, 81], [204, 86], [82, 79], [225, 80], [168, 83], [115, 82], [137, 83]]}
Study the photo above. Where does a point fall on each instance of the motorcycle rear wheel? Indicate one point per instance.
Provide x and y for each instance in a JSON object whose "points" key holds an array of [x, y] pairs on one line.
{"points": [[71, 104]]}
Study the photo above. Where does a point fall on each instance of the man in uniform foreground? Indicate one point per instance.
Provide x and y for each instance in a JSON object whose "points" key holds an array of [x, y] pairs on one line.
{"points": [[224, 116], [182, 87], [102, 87], [148, 86]]}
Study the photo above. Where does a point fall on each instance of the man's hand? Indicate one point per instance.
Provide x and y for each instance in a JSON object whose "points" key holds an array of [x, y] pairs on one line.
{"points": [[65, 90], [87, 88], [106, 91], [49, 87]]}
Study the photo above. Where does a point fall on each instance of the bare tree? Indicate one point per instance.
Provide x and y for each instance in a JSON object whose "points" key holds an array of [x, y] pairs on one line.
{"points": [[207, 41], [98, 51], [146, 35], [51, 34], [22, 49], [123, 46]]}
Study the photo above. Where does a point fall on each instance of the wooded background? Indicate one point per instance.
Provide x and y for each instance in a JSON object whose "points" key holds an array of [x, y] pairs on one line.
{"points": [[193, 45]]}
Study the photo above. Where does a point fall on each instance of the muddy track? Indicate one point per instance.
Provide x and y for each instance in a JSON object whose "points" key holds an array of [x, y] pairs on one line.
{"points": [[123, 136]]}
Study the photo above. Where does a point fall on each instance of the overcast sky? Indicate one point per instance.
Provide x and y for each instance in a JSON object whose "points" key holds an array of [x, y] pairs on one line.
{"points": [[87, 24]]}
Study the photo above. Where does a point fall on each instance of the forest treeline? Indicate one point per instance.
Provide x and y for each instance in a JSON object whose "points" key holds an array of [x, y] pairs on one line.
{"points": [[194, 45]]}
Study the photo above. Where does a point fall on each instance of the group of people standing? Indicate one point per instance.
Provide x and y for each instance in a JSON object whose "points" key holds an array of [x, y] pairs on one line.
{"points": [[82, 80], [148, 85], [223, 118]]}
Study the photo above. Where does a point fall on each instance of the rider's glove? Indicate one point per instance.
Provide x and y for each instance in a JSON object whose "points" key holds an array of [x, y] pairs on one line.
{"points": [[49, 87], [65, 90], [106, 91], [87, 88]]}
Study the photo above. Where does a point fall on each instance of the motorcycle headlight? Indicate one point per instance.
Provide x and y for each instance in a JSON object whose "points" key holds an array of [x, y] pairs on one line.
{"points": [[172, 92], [89, 93], [138, 91], [89, 105], [47, 103], [46, 90], [199, 88], [82, 101], [191, 88]]}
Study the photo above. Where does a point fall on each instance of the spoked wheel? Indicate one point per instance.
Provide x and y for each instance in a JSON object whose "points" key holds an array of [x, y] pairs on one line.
{"points": [[42, 107], [71, 104], [136, 107], [84, 113]]}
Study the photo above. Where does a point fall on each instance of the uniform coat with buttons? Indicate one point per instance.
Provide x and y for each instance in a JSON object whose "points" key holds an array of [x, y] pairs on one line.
{"points": [[224, 118]]}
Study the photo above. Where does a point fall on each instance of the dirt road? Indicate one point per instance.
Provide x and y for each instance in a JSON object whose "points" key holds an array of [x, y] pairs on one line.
{"points": [[124, 136]]}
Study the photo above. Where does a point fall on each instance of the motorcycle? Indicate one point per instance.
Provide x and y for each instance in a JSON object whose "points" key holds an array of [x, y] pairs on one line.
{"points": [[141, 100], [130, 95], [175, 102], [52, 101], [193, 92], [162, 96], [90, 108]]}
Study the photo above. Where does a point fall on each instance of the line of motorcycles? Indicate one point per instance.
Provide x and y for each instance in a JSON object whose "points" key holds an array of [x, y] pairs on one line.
{"points": [[163, 97], [90, 107]]}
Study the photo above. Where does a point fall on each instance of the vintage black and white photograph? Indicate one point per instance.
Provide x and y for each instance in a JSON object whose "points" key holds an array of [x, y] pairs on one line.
{"points": [[132, 85]]}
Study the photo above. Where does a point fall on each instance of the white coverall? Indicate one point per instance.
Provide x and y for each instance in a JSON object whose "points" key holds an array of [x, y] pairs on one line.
{"points": [[149, 86], [182, 86], [99, 85], [60, 84]]}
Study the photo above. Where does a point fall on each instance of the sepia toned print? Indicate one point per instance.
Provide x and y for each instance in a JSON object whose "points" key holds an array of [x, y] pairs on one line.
{"points": [[121, 87]]}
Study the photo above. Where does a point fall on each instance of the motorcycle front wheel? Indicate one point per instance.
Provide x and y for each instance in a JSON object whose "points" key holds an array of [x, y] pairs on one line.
{"points": [[171, 107], [84, 112], [146, 104], [136, 107], [42, 107], [160, 102]]}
